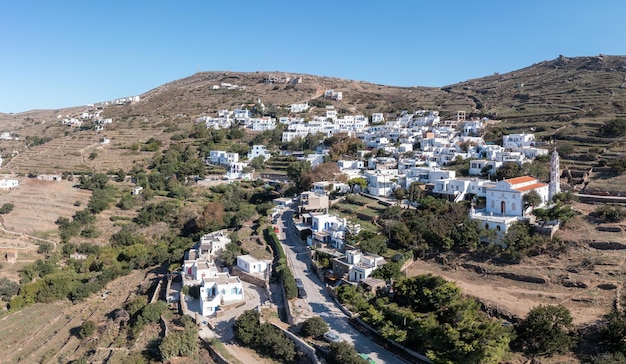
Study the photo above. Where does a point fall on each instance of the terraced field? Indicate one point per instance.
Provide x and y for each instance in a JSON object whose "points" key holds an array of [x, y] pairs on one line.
{"points": [[46, 333], [38, 204]]}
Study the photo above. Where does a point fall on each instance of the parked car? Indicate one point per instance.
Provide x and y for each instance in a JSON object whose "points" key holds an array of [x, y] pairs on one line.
{"points": [[299, 283], [331, 337], [301, 292]]}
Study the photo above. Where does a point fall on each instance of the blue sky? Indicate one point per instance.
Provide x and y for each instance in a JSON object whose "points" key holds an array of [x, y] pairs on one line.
{"points": [[65, 53]]}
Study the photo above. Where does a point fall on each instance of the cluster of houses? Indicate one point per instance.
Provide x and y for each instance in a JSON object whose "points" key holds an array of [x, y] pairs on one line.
{"points": [[237, 169], [217, 287], [228, 86], [242, 116], [285, 79], [417, 146], [93, 113], [325, 233]]}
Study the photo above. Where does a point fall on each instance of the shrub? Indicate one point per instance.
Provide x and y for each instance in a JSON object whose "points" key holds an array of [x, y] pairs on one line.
{"points": [[314, 326], [545, 330], [87, 329], [6, 208]]}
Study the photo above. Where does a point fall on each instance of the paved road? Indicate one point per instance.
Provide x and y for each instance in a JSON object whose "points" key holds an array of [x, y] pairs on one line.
{"points": [[318, 301]]}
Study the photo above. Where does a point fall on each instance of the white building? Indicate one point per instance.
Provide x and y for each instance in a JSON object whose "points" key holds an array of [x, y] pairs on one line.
{"points": [[250, 264], [555, 175], [262, 124], [8, 183], [325, 187], [357, 265], [259, 151], [215, 241], [505, 203], [219, 290], [296, 108], [329, 229], [518, 140], [222, 157], [378, 117], [477, 165], [381, 182]]}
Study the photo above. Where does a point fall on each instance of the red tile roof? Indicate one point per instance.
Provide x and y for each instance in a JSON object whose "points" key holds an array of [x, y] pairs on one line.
{"points": [[522, 179], [531, 187]]}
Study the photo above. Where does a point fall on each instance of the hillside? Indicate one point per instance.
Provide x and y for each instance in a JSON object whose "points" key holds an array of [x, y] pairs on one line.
{"points": [[558, 90], [566, 100]]}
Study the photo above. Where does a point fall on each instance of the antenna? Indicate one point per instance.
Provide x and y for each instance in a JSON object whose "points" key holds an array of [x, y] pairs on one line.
{"points": [[198, 68]]}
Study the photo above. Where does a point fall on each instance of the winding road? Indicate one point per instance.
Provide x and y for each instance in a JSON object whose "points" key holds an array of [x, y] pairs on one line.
{"points": [[318, 302]]}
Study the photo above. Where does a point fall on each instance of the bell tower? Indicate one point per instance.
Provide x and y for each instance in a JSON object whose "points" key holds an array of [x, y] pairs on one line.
{"points": [[555, 175]]}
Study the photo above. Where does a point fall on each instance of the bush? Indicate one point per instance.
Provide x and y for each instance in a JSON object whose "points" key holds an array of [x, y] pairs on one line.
{"points": [[263, 338], [314, 326], [8, 289], [344, 353], [179, 343], [87, 329], [610, 213], [545, 330], [6, 208]]}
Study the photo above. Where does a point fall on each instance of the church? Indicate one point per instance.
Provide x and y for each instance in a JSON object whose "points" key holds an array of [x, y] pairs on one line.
{"points": [[505, 200]]}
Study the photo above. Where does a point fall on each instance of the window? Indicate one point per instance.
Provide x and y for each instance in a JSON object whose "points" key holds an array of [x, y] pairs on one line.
{"points": [[498, 227], [487, 226]]}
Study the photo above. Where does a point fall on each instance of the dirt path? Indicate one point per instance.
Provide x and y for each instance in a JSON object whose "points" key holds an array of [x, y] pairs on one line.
{"points": [[245, 355]]}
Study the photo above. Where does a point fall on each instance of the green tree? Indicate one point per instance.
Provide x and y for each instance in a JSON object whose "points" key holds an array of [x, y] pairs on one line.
{"points": [[179, 343], [508, 170], [614, 330], [6, 208], [230, 253], [545, 331], [400, 193], [247, 327], [258, 162], [151, 312], [296, 172], [344, 353], [532, 198], [416, 191], [45, 247], [314, 326], [87, 329], [358, 181], [613, 128], [127, 202], [8, 289]]}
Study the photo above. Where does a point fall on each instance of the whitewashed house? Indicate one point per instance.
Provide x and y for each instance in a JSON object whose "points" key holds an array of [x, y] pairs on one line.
{"points": [[477, 165], [378, 117], [222, 157], [250, 264], [328, 187], [381, 182], [263, 124], [356, 265], [219, 290], [259, 151], [296, 108], [8, 183], [522, 140]]}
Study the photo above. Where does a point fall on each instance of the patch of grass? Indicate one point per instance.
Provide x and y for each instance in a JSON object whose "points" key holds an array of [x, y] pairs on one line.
{"points": [[219, 347]]}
